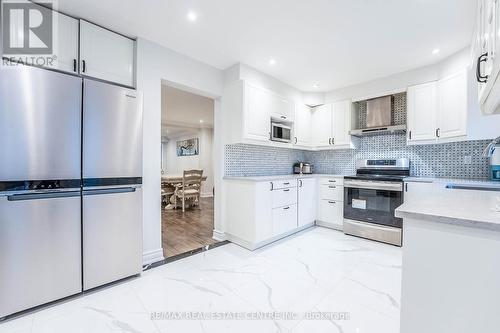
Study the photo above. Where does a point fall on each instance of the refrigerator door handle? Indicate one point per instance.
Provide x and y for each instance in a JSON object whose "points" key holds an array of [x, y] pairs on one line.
{"points": [[110, 191], [41, 196]]}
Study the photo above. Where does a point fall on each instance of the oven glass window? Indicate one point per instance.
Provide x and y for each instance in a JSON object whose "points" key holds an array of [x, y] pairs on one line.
{"points": [[374, 206]]}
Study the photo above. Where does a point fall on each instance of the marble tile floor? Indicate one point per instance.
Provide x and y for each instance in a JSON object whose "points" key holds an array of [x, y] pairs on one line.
{"points": [[346, 284]]}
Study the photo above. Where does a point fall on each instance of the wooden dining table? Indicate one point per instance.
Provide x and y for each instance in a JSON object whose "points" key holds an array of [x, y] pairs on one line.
{"points": [[171, 181]]}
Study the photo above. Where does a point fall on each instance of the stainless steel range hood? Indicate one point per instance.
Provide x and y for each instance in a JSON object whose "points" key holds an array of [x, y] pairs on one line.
{"points": [[379, 118]]}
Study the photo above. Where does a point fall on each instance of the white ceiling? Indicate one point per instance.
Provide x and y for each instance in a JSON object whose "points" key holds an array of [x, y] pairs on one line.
{"points": [[333, 43], [184, 109]]}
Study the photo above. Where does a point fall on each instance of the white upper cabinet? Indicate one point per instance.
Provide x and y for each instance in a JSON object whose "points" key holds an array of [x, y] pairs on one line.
{"points": [[302, 126], [281, 108], [342, 125], [331, 126], [452, 115], [257, 119], [106, 55], [322, 126], [486, 51], [422, 112], [437, 111], [66, 43], [65, 40]]}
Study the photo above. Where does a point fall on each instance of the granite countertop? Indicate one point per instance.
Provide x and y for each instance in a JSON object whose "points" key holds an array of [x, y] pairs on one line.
{"points": [[470, 208], [281, 177]]}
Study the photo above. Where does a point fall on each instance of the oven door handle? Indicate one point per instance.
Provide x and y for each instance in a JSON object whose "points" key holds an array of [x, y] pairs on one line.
{"points": [[396, 187]]}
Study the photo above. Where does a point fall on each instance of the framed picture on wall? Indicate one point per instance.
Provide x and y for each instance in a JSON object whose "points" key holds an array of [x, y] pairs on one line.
{"points": [[188, 147]]}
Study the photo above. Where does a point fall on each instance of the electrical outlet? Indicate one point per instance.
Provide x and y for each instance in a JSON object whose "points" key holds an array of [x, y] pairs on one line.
{"points": [[468, 160]]}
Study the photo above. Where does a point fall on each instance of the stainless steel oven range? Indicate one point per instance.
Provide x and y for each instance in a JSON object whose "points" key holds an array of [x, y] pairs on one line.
{"points": [[371, 197]]}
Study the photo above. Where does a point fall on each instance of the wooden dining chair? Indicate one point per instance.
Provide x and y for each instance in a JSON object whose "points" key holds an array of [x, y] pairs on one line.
{"points": [[190, 187]]}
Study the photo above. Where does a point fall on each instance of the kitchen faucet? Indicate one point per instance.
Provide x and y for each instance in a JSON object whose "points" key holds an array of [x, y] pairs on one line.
{"points": [[488, 151]]}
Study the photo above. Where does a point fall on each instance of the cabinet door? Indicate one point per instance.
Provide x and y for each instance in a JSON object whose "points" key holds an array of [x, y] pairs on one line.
{"points": [[257, 114], [322, 125], [331, 212], [307, 202], [302, 129], [342, 123], [65, 40], [281, 108], [106, 55], [422, 112], [66, 43], [284, 219], [452, 115]]}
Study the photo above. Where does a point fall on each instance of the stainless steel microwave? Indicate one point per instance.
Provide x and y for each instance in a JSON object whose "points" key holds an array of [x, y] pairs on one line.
{"points": [[281, 132]]}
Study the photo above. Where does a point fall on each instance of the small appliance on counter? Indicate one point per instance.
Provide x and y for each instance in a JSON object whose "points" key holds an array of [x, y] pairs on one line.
{"points": [[302, 168], [493, 152]]}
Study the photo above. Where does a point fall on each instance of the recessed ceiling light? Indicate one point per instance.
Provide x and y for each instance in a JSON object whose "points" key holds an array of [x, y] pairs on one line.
{"points": [[316, 86], [192, 16], [435, 51], [272, 61], [201, 121]]}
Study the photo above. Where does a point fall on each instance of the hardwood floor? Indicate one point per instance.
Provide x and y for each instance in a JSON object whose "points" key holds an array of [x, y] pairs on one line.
{"points": [[183, 232]]}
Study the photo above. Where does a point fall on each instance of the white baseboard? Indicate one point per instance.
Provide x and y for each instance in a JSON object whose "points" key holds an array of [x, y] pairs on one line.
{"points": [[256, 245], [152, 256], [219, 236], [207, 195]]}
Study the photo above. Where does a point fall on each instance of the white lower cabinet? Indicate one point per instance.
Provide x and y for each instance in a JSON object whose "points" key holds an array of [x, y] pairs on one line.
{"points": [[307, 198], [284, 219], [331, 213], [284, 197], [331, 203], [260, 212]]}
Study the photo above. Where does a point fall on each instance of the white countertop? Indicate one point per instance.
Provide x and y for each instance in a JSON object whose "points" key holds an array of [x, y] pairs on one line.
{"points": [[281, 177], [471, 208], [481, 182]]}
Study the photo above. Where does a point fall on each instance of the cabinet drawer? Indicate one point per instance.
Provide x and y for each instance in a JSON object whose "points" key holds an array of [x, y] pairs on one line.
{"points": [[332, 181], [284, 197], [276, 185], [331, 212], [331, 192], [284, 219]]}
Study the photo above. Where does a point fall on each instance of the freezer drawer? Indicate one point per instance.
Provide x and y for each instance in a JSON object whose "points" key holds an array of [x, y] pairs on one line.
{"points": [[112, 235], [40, 249], [112, 131], [40, 125]]}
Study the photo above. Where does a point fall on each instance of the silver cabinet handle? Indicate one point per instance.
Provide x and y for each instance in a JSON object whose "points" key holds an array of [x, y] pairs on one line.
{"points": [[272, 186], [300, 182], [332, 181], [286, 208], [330, 141], [331, 186], [287, 190], [286, 183], [331, 202]]}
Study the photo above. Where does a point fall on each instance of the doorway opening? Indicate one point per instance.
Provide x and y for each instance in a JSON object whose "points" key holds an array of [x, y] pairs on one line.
{"points": [[187, 169]]}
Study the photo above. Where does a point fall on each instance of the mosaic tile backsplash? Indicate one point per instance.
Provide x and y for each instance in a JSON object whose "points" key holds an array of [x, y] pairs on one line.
{"points": [[443, 160]]}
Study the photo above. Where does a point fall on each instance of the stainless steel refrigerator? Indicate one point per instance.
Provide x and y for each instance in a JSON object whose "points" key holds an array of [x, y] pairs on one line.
{"points": [[112, 178], [70, 186]]}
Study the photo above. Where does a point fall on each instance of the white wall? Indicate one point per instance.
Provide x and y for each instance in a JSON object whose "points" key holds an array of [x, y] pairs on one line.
{"points": [[203, 161], [154, 64]]}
